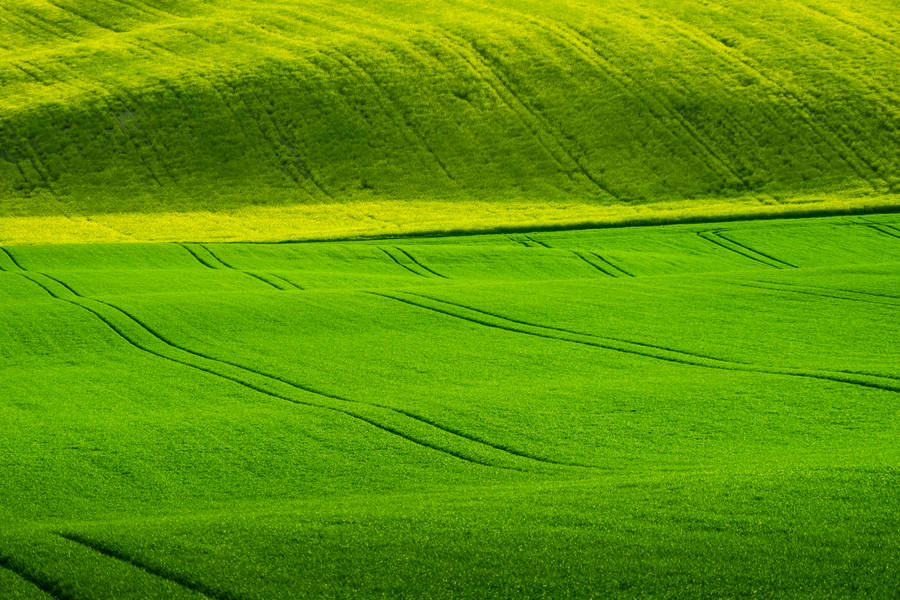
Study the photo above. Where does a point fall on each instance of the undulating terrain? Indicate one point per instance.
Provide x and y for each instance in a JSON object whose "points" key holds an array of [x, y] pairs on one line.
{"points": [[274, 119], [679, 411], [449, 299]]}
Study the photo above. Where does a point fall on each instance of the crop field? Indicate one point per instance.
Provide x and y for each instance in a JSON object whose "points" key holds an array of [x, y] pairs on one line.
{"points": [[267, 120], [674, 411], [452, 299]]}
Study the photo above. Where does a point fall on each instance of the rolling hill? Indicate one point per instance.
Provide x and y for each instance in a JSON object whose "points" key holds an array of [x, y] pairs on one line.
{"points": [[688, 411], [260, 120]]}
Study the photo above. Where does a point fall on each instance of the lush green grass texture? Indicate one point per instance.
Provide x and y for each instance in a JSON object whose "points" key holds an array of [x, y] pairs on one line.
{"points": [[670, 412], [121, 106]]}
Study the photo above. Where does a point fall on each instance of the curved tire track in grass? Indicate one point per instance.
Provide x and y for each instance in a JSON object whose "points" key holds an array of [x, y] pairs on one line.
{"points": [[210, 265], [708, 236], [624, 347], [721, 236], [412, 258], [203, 590], [613, 265], [82, 302], [581, 257], [51, 588], [396, 261], [12, 259], [776, 287]]}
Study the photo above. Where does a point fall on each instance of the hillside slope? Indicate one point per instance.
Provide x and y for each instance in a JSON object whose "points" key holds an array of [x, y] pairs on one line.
{"points": [[116, 107]]}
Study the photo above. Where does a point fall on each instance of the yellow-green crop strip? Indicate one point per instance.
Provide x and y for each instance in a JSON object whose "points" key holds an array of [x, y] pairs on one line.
{"points": [[673, 411], [260, 120]]}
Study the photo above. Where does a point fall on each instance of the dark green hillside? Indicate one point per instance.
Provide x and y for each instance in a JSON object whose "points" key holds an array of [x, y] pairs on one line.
{"points": [[120, 106]]}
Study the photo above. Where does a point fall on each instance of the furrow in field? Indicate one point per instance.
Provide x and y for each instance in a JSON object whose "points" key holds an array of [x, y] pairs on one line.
{"points": [[833, 289], [51, 588], [777, 287], [261, 278], [135, 6], [722, 236], [82, 303], [302, 169], [572, 331], [711, 237], [884, 41], [95, 307], [597, 267], [794, 102], [151, 142], [211, 260], [196, 256], [205, 591], [883, 231], [274, 142], [30, 25], [490, 71], [4, 253], [389, 105], [515, 326], [480, 440], [395, 260], [612, 264], [587, 47], [419, 264], [489, 77], [48, 24], [84, 17], [538, 242], [286, 280]]}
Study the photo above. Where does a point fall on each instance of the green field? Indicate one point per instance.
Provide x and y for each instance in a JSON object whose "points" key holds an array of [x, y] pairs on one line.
{"points": [[680, 411], [449, 299]]}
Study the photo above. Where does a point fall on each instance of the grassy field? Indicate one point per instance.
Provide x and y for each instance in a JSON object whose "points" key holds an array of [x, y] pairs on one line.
{"points": [[702, 410], [146, 120], [449, 299]]}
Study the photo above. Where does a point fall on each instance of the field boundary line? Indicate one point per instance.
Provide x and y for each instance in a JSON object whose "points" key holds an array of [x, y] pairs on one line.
{"points": [[162, 573]]}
